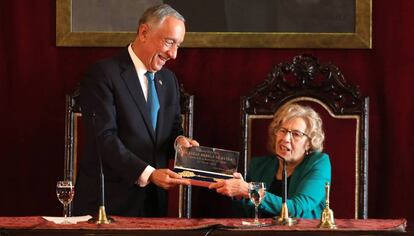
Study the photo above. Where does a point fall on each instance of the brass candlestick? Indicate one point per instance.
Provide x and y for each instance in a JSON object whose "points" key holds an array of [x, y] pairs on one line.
{"points": [[101, 218], [284, 218], [327, 216]]}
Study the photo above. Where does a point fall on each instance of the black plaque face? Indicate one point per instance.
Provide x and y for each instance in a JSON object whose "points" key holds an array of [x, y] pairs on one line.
{"points": [[206, 163]]}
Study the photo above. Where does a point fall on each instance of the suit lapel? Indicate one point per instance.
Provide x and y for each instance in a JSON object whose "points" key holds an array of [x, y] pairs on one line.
{"points": [[129, 75]]}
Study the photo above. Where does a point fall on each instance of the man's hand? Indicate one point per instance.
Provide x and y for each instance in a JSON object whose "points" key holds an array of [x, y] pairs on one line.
{"points": [[166, 178], [183, 141]]}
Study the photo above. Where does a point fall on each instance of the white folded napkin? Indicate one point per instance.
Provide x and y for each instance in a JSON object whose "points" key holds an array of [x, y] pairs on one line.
{"points": [[72, 219]]}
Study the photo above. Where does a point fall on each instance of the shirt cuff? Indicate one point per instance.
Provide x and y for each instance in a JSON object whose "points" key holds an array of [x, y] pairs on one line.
{"points": [[144, 177]]}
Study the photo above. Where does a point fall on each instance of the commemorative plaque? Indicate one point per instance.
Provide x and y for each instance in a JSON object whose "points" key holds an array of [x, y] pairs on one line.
{"points": [[204, 165]]}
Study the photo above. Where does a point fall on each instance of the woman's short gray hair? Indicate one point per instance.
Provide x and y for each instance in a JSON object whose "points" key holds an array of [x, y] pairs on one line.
{"points": [[156, 14], [311, 117]]}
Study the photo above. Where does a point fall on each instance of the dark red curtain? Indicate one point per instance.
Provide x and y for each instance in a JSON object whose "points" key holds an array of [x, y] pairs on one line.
{"points": [[35, 75]]}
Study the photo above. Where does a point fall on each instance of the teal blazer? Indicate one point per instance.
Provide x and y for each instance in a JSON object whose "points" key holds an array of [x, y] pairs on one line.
{"points": [[306, 190]]}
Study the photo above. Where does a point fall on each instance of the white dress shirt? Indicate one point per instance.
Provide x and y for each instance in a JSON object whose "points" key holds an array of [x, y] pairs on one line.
{"points": [[141, 70]]}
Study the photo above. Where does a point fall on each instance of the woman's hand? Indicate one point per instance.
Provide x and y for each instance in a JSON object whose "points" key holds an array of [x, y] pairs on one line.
{"points": [[235, 187]]}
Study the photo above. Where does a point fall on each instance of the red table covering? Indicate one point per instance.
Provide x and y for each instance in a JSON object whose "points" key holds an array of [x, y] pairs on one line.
{"points": [[132, 223]]}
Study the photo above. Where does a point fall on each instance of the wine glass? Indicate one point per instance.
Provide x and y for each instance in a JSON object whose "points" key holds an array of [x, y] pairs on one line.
{"points": [[65, 191], [257, 192]]}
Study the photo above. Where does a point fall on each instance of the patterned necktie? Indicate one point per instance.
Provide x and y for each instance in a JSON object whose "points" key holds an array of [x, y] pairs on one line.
{"points": [[152, 99]]}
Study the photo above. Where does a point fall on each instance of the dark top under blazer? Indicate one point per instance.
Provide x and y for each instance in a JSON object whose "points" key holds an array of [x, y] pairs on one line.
{"points": [[125, 137], [306, 189]]}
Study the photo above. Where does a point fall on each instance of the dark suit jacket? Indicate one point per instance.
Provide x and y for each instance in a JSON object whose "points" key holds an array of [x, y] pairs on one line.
{"points": [[123, 136]]}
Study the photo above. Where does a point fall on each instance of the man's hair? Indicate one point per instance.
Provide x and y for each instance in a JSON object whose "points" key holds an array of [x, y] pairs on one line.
{"points": [[156, 14]]}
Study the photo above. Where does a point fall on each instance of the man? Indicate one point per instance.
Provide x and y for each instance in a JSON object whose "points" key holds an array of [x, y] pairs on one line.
{"points": [[116, 99]]}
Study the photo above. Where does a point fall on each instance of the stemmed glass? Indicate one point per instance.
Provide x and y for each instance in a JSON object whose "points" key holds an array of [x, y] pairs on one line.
{"points": [[65, 191], [257, 192]]}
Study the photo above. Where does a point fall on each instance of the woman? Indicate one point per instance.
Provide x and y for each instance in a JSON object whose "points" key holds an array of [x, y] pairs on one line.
{"points": [[295, 135]]}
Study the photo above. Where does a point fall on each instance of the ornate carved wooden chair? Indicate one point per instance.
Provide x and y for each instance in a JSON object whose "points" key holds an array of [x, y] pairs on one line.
{"points": [[73, 143], [345, 115]]}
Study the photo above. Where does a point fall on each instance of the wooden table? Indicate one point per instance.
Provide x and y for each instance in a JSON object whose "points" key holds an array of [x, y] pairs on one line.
{"points": [[36, 225]]}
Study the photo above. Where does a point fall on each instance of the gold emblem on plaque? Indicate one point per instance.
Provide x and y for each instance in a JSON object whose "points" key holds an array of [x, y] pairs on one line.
{"points": [[190, 174]]}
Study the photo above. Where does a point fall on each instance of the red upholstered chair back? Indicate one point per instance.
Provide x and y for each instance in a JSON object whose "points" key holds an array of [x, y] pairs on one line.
{"points": [[345, 120]]}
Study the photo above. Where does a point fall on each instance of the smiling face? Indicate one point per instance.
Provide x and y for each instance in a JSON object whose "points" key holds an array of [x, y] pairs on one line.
{"points": [[289, 146], [158, 43]]}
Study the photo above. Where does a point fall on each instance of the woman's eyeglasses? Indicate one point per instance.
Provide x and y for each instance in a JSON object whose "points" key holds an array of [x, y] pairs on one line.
{"points": [[294, 134]]}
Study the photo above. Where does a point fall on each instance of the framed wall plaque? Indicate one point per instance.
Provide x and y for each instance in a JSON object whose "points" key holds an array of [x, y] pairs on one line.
{"points": [[223, 23]]}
